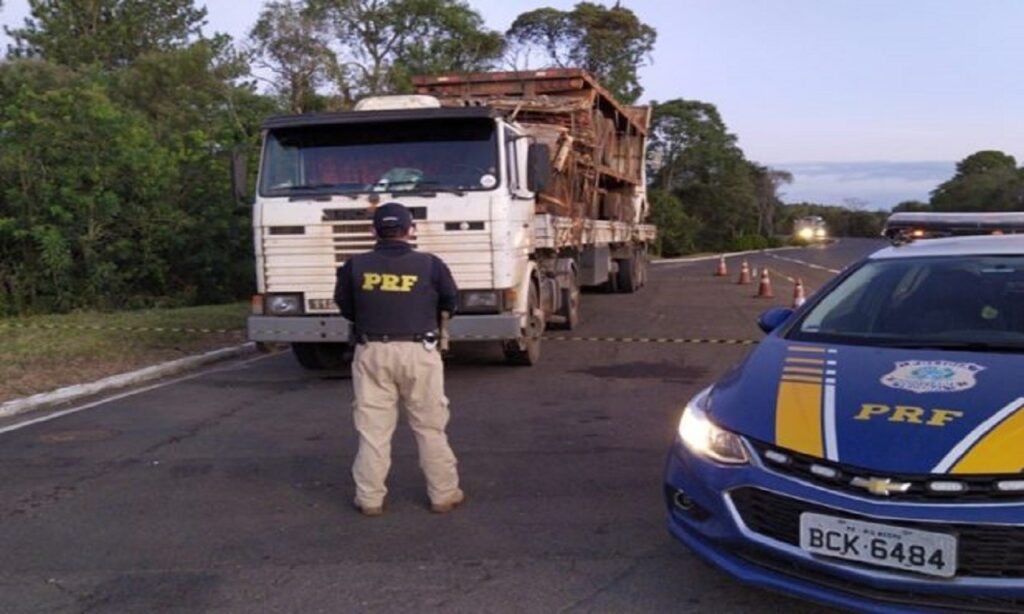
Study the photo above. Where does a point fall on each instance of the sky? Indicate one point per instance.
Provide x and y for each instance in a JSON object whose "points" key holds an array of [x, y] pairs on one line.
{"points": [[870, 101]]}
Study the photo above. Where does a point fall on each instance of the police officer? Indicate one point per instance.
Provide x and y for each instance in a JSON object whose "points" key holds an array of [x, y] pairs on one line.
{"points": [[394, 296]]}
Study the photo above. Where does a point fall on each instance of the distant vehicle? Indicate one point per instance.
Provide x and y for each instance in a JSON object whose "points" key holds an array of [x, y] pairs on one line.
{"points": [[810, 229], [529, 185], [903, 227], [868, 454]]}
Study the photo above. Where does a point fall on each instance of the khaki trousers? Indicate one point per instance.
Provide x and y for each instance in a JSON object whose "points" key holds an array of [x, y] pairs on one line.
{"points": [[384, 374]]}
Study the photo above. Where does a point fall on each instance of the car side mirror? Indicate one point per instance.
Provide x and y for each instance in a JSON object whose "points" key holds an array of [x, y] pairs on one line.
{"points": [[240, 177], [773, 318], [538, 167]]}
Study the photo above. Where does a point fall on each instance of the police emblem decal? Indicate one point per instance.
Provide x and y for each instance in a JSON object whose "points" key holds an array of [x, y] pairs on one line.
{"points": [[923, 376]]}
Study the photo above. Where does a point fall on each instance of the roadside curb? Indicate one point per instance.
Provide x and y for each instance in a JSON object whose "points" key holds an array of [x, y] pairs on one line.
{"points": [[44, 400], [687, 260]]}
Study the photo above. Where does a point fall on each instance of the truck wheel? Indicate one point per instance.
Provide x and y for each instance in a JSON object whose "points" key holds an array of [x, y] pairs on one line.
{"points": [[322, 356], [628, 275], [570, 306], [525, 352]]}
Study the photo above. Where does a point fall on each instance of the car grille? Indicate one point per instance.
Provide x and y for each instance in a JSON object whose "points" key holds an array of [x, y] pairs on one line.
{"points": [[960, 603], [980, 488], [983, 551]]}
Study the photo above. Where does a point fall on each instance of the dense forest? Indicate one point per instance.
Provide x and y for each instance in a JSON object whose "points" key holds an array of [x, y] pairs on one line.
{"points": [[119, 119]]}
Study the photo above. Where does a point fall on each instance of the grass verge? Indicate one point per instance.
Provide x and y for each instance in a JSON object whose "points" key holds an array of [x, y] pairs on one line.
{"points": [[86, 346]]}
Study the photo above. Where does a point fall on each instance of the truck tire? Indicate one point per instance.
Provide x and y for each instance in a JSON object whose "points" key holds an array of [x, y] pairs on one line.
{"points": [[525, 351], [570, 310], [323, 356], [629, 273]]}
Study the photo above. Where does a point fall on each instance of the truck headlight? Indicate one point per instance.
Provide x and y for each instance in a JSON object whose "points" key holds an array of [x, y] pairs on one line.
{"points": [[806, 233], [283, 304], [820, 233], [704, 438], [476, 301]]}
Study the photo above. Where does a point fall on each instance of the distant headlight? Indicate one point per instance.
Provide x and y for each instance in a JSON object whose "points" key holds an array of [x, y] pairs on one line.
{"points": [[706, 439], [820, 233], [480, 301], [806, 233], [283, 304]]}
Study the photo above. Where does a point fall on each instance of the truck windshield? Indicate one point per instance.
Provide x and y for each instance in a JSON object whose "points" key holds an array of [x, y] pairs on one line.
{"points": [[421, 155], [960, 302]]}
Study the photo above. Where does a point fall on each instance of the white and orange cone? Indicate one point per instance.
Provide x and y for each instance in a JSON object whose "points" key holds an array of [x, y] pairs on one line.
{"points": [[799, 294], [723, 270], [744, 274], [764, 289]]}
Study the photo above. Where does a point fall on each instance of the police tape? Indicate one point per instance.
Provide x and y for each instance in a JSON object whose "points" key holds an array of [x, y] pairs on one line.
{"points": [[122, 329], [666, 340], [221, 331]]}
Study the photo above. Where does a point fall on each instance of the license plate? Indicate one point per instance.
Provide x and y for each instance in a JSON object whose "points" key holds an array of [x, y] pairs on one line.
{"points": [[884, 545]]}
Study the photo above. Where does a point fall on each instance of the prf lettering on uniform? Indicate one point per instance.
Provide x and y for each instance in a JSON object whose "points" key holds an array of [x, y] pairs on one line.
{"points": [[907, 414], [388, 282]]}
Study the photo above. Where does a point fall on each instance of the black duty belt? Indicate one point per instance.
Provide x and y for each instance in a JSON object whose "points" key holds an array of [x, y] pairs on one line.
{"points": [[363, 339]]}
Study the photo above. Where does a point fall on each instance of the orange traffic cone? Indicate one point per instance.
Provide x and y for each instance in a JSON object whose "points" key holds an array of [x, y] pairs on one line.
{"points": [[723, 270], [799, 295], [744, 274], [764, 289]]}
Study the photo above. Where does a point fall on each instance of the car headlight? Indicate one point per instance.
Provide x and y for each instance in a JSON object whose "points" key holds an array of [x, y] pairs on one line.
{"points": [[806, 233], [706, 439], [283, 304], [820, 233], [480, 300]]}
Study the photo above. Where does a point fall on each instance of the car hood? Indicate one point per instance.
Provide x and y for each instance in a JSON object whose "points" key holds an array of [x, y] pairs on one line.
{"points": [[886, 409]]}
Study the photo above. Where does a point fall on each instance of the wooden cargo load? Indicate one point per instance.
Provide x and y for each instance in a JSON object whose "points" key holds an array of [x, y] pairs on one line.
{"points": [[597, 144]]}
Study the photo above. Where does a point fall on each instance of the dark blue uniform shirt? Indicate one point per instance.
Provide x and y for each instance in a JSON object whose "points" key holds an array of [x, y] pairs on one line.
{"points": [[395, 290]]}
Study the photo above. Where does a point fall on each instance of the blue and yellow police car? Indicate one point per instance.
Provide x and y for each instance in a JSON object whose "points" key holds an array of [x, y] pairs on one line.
{"points": [[869, 453]]}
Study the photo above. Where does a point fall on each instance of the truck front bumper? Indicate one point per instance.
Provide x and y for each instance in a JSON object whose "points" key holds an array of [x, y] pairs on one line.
{"points": [[336, 329]]}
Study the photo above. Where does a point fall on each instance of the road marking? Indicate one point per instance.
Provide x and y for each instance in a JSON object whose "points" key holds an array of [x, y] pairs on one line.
{"points": [[805, 263], [691, 259], [124, 395], [655, 340]]}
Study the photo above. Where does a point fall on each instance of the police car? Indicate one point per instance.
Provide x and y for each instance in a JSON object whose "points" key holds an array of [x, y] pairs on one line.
{"points": [[869, 454]]}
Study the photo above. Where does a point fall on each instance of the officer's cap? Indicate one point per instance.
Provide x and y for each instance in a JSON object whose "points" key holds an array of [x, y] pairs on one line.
{"points": [[392, 215]]}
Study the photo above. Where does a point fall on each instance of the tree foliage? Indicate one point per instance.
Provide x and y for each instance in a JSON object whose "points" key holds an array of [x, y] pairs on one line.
{"points": [[984, 181], [611, 43], [291, 43], [111, 33], [379, 44]]}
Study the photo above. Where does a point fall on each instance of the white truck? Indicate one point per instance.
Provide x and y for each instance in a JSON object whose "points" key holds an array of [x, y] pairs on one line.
{"points": [[529, 186]]}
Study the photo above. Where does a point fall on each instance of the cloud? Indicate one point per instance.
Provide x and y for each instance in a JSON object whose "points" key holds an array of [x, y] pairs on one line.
{"points": [[880, 184]]}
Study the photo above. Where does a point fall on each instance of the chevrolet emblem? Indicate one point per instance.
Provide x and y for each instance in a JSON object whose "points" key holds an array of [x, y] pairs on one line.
{"points": [[882, 487]]}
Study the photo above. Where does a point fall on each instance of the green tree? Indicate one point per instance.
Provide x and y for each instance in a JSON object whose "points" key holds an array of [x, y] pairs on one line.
{"points": [[911, 206], [694, 156], [611, 43], [83, 219], [677, 231], [110, 33], [291, 44], [767, 182], [380, 43], [984, 181]]}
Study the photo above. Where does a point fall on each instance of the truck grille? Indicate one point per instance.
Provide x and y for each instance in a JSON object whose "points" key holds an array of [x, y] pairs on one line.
{"points": [[983, 551]]}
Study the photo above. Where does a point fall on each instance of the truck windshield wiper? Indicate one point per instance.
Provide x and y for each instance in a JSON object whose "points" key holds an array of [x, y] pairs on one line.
{"points": [[431, 186]]}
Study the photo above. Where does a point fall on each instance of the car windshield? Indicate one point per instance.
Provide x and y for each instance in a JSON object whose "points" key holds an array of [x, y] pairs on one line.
{"points": [[422, 155], [958, 302]]}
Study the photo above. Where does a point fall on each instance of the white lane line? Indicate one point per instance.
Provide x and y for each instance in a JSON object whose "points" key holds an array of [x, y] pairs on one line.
{"points": [[981, 430], [805, 263], [124, 395], [690, 259]]}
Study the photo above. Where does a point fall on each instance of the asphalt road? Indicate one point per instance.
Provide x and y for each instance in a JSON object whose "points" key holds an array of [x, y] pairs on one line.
{"points": [[230, 490]]}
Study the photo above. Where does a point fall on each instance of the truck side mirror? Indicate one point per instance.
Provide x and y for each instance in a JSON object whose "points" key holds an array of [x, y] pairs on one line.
{"points": [[538, 167], [240, 177]]}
